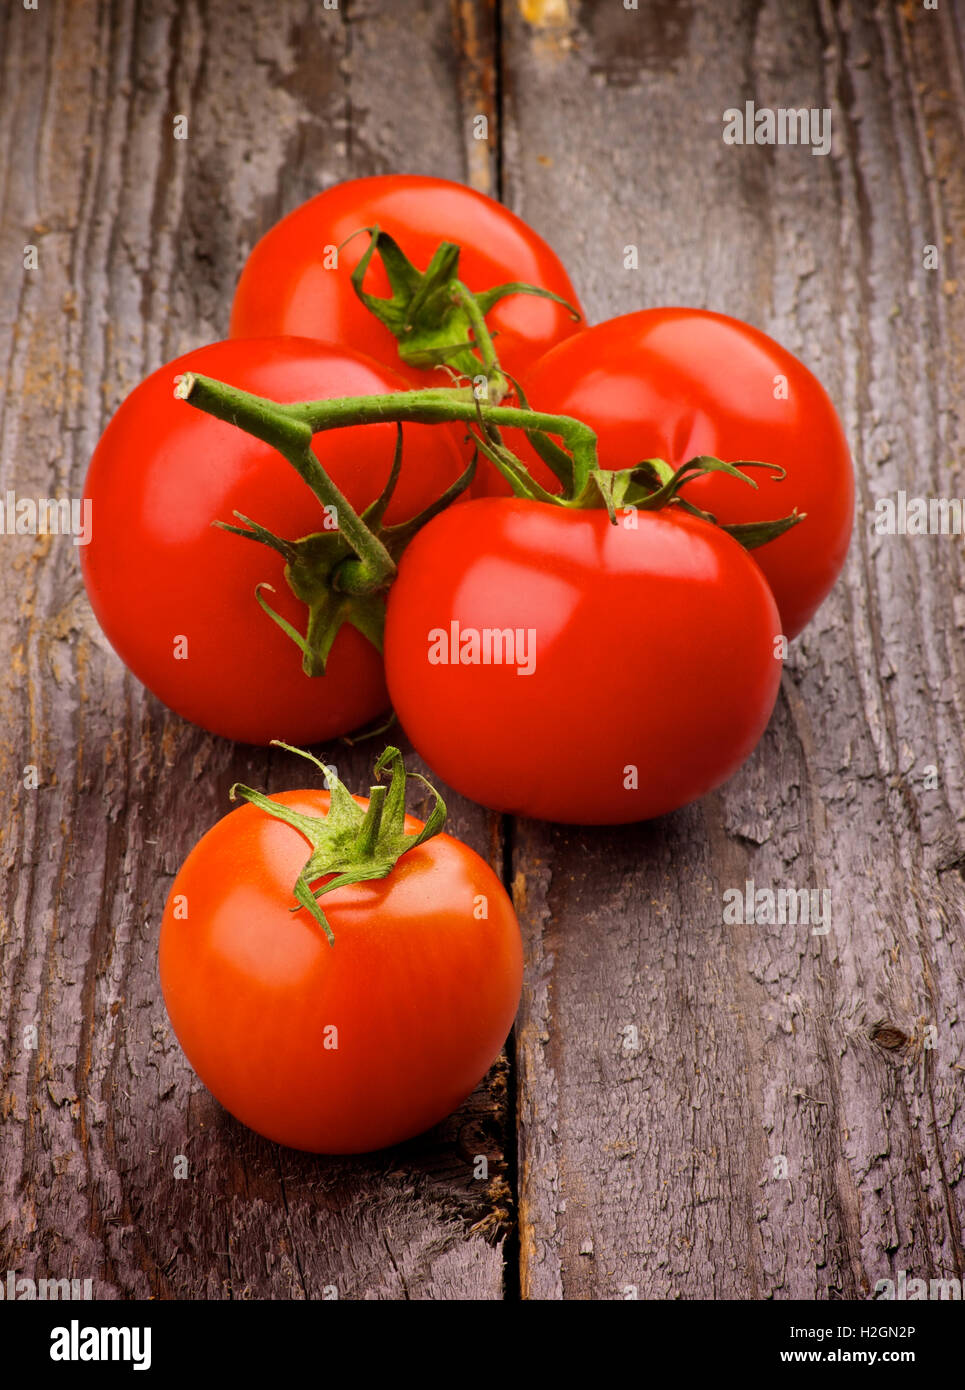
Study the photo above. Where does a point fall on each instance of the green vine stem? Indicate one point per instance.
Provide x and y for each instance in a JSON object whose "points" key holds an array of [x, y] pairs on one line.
{"points": [[343, 575], [290, 429]]}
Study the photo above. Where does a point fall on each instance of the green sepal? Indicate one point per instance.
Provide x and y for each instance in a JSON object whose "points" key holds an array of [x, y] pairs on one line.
{"points": [[653, 485], [487, 298], [396, 538], [350, 843], [324, 572], [649, 485], [374, 729], [489, 443], [557, 460], [751, 534], [426, 310]]}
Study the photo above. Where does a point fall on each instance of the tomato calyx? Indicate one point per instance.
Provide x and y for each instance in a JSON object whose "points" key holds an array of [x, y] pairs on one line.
{"points": [[437, 320], [653, 484], [648, 486], [343, 572], [350, 843]]}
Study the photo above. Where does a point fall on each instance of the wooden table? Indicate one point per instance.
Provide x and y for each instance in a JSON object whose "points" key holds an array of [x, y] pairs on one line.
{"points": [[686, 1109]]}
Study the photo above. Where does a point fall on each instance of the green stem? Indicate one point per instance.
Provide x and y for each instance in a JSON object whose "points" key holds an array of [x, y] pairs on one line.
{"points": [[434, 406], [290, 428], [497, 384], [283, 428], [341, 575], [321, 569]]}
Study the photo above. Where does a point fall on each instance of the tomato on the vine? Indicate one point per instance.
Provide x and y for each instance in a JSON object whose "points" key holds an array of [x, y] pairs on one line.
{"points": [[348, 1045], [673, 383], [176, 595], [548, 663], [297, 278]]}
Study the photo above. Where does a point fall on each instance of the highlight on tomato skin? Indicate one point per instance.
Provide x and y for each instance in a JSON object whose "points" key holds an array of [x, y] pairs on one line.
{"points": [[348, 1047], [673, 383], [547, 663], [291, 283], [175, 595]]}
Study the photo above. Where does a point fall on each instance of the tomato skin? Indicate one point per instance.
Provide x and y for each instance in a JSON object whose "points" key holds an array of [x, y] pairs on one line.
{"points": [[421, 991], [285, 287], [156, 568], [654, 648], [673, 383]]}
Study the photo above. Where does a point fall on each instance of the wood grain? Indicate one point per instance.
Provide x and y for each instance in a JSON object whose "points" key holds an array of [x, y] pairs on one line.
{"points": [[651, 1164], [664, 1064], [140, 240]]}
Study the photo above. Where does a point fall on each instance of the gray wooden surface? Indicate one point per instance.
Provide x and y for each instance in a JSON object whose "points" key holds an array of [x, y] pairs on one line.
{"points": [[666, 1069]]}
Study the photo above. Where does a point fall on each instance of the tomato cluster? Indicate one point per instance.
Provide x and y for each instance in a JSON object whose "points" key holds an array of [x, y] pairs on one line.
{"points": [[592, 632]]}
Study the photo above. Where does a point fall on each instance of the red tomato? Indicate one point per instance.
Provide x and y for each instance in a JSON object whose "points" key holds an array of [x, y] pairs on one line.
{"points": [[285, 287], [674, 383], [420, 987], [640, 655], [176, 595]]}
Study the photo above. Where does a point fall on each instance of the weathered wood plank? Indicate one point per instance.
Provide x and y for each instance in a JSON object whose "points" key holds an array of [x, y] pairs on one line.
{"points": [[645, 1159], [140, 238], [650, 1160]]}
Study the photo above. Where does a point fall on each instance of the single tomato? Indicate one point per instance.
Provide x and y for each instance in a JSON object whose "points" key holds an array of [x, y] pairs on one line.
{"points": [[292, 283], [548, 663], [176, 594], [346, 1046], [675, 383]]}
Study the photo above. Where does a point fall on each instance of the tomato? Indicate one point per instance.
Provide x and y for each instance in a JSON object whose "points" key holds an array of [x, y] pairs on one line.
{"points": [[421, 984], [675, 383], [285, 286], [644, 665], [176, 595]]}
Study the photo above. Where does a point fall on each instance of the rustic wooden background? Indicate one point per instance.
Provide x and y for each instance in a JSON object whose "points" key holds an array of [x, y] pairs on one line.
{"points": [[617, 1161]]}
